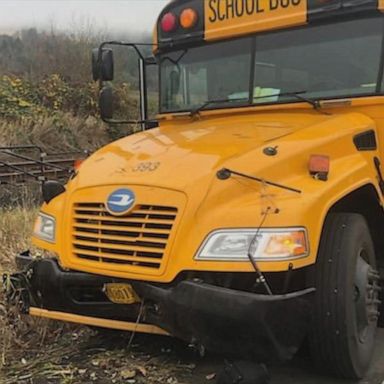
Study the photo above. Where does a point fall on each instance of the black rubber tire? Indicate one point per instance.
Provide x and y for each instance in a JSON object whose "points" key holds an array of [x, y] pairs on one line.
{"points": [[335, 342]]}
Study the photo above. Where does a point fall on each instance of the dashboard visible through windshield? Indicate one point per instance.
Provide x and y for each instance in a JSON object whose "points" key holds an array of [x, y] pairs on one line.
{"points": [[322, 62]]}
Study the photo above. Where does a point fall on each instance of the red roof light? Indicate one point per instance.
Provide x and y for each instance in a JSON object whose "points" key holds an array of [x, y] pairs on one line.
{"points": [[168, 22]]}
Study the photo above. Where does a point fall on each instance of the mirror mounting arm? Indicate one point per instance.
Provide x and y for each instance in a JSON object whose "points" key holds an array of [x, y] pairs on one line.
{"points": [[121, 43], [104, 72]]}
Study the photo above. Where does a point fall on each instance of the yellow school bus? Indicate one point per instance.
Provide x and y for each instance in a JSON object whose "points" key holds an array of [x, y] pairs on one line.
{"points": [[247, 217]]}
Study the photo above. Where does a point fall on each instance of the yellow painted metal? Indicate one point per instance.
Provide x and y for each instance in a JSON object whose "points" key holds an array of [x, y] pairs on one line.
{"points": [[230, 18], [98, 322], [225, 19], [191, 151], [117, 238]]}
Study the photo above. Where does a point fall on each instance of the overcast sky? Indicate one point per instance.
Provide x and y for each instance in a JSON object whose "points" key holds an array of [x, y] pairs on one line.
{"points": [[111, 15]]}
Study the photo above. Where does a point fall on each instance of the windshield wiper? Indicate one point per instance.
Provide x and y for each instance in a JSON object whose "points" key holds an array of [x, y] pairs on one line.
{"points": [[298, 95], [225, 173], [200, 108]]}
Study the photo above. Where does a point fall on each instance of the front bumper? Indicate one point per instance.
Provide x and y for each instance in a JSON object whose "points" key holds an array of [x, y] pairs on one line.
{"points": [[231, 322]]}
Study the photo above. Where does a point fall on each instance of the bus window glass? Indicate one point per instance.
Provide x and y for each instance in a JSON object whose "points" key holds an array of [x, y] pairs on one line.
{"points": [[331, 60], [219, 71], [326, 61]]}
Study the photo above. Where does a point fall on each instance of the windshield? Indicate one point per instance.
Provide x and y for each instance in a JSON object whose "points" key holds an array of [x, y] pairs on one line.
{"points": [[327, 61]]}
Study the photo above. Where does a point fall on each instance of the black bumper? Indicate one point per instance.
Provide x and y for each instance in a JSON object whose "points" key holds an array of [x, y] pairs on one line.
{"points": [[228, 321]]}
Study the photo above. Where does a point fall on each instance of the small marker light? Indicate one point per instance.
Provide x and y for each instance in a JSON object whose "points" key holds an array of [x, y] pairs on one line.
{"points": [[188, 18], [319, 166], [168, 22], [77, 163]]}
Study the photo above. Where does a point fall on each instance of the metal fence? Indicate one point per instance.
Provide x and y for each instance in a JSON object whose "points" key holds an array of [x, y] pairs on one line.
{"points": [[31, 164]]}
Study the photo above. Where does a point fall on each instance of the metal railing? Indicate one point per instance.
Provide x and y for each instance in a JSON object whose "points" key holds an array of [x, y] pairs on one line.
{"points": [[30, 163]]}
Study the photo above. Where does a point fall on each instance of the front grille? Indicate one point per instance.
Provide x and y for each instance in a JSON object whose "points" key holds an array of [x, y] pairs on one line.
{"points": [[139, 239]]}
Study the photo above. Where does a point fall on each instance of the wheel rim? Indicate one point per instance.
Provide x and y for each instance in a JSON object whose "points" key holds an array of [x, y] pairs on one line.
{"points": [[366, 296]]}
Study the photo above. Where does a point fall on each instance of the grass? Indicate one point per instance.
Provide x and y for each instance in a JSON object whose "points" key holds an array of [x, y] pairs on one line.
{"points": [[15, 231], [61, 132], [20, 335]]}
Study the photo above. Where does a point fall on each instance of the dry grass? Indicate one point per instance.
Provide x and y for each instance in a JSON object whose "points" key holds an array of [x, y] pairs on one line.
{"points": [[61, 132], [15, 230], [20, 336]]}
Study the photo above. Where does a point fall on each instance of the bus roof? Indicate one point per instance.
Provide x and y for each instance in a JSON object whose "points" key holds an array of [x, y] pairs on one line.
{"points": [[211, 20]]}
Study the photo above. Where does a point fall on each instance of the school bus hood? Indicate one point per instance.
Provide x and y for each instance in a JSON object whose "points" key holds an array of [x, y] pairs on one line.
{"points": [[180, 153], [175, 167]]}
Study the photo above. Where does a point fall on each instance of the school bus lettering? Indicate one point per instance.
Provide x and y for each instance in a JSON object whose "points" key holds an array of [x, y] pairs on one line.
{"points": [[229, 9], [275, 4], [236, 17], [220, 10]]}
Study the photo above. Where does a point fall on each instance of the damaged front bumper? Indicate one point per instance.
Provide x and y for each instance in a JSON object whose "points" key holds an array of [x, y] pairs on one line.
{"points": [[227, 321]]}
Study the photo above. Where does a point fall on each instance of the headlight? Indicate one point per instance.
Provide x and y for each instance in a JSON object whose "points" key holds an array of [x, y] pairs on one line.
{"points": [[45, 227], [270, 245]]}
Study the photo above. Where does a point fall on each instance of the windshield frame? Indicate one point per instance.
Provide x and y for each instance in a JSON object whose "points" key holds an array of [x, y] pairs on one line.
{"points": [[250, 102]]}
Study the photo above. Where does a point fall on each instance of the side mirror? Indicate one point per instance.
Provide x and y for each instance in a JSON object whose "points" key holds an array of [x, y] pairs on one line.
{"points": [[114, 68], [102, 67], [106, 103]]}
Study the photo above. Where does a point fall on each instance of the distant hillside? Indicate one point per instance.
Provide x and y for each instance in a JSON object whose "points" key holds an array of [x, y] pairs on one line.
{"points": [[45, 81]]}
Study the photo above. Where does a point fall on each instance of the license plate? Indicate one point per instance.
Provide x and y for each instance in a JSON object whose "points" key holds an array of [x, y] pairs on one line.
{"points": [[121, 293]]}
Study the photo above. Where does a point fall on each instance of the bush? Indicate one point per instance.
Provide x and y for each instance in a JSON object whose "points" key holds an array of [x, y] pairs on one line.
{"points": [[23, 99], [18, 99], [52, 114]]}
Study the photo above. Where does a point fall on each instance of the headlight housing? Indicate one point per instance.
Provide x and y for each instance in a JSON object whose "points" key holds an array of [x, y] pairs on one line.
{"points": [[45, 227], [276, 244]]}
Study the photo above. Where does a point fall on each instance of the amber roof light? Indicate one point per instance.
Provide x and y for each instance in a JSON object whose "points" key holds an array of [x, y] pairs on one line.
{"points": [[188, 18]]}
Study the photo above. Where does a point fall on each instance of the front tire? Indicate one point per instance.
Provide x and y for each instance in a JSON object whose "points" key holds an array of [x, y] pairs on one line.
{"points": [[346, 300]]}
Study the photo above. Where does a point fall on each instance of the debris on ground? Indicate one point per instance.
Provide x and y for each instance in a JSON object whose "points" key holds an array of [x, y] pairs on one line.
{"points": [[84, 355]]}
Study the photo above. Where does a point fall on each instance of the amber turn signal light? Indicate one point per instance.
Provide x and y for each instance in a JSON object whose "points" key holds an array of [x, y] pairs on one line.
{"points": [[319, 166], [77, 163], [188, 18]]}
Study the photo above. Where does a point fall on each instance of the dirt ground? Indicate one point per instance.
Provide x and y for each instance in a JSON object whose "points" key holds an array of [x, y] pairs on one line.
{"points": [[300, 370], [84, 356]]}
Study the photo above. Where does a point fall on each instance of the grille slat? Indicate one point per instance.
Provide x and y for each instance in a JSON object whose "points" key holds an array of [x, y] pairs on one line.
{"points": [[111, 256], [126, 228], [138, 239], [151, 257], [125, 235], [99, 208], [130, 219], [138, 246]]}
